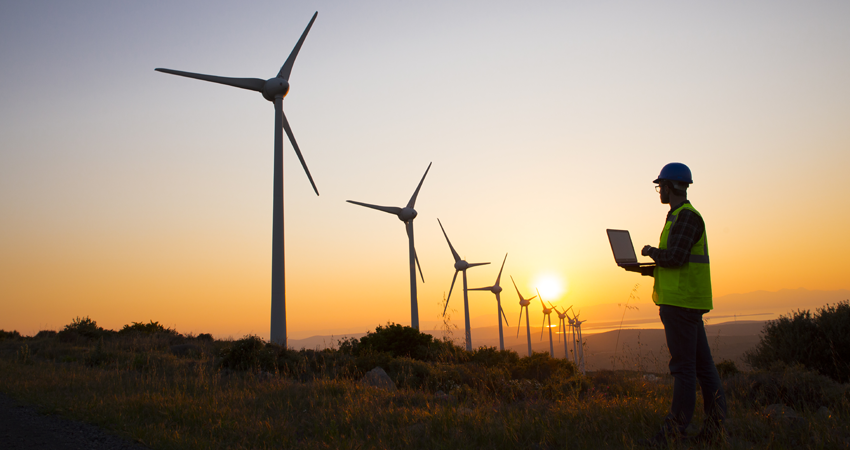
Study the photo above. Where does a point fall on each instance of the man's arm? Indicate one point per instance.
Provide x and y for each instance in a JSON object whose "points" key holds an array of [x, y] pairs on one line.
{"points": [[687, 230]]}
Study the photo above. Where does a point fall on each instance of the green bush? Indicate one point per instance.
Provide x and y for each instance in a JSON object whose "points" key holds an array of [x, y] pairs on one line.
{"points": [[819, 342], [540, 367], [794, 386], [147, 328], [398, 341], [490, 357]]}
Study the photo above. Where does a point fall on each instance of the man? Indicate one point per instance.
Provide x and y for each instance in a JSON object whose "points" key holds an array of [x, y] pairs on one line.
{"points": [[682, 291]]}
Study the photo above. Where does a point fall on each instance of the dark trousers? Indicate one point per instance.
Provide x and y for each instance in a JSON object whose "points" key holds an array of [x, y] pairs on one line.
{"points": [[690, 361]]}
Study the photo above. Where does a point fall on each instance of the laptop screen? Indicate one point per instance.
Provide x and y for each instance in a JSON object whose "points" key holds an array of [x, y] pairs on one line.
{"points": [[621, 244]]}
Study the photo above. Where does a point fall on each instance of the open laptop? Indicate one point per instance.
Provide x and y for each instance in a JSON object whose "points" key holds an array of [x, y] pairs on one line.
{"points": [[624, 250]]}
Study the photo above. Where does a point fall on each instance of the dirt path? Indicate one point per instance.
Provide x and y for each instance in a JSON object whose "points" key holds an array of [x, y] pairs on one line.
{"points": [[21, 427]]}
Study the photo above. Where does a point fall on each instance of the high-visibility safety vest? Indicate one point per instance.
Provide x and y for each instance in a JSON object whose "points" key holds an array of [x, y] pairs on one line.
{"points": [[689, 285]]}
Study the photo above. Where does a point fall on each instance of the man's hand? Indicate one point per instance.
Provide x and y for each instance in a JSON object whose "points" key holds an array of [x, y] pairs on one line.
{"points": [[645, 250]]}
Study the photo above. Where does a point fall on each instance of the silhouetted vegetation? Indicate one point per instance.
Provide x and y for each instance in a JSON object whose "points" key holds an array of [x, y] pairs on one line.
{"points": [[174, 391], [819, 342], [9, 335], [147, 328]]}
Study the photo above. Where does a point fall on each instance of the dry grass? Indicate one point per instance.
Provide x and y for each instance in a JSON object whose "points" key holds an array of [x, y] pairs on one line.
{"points": [[136, 387]]}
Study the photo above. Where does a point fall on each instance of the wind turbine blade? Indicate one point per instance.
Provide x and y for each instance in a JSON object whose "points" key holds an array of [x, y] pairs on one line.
{"points": [[479, 289], [502, 310], [286, 69], [409, 227], [541, 327], [478, 264], [416, 192], [540, 298], [454, 253], [517, 289], [500, 270], [519, 322], [450, 293], [387, 209], [252, 84], [294, 144]]}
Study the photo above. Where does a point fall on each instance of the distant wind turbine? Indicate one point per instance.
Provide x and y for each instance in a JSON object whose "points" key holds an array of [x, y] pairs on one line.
{"points": [[562, 327], [273, 90], [546, 315], [577, 330], [496, 289], [460, 266], [406, 215], [523, 303]]}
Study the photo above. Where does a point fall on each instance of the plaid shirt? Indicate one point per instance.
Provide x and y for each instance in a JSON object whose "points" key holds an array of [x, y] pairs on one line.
{"points": [[686, 231]]}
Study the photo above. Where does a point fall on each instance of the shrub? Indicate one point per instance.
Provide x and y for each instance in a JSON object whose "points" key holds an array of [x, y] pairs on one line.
{"points": [[81, 327], [44, 334], [205, 337], [250, 353], [540, 367], [727, 368], [794, 386], [399, 340], [819, 342], [490, 357], [9, 335], [147, 328]]}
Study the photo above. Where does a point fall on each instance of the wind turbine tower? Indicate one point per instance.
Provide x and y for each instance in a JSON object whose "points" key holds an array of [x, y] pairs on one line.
{"points": [[461, 266], [562, 327], [523, 303], [496, 289], [273, 90], [580, 354], [547, 315], [406, 215]]}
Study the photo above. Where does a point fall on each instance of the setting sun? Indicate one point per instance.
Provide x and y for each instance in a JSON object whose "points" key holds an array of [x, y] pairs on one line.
{"points": [[550, 286]]}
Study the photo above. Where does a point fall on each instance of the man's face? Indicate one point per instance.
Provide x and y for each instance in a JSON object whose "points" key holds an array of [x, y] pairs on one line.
{"points": [[664, 192]]}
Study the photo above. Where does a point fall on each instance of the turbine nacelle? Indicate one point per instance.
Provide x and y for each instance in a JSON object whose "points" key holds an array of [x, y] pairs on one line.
{"points": [[496, 289], [275, 87], [524, 302], [407, 214]]}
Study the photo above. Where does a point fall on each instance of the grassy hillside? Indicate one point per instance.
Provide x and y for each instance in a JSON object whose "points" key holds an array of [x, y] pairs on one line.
{"points": [[168, 391]]}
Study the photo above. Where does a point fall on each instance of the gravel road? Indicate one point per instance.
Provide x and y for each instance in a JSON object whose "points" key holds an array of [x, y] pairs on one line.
{"points": [[21, 427]]}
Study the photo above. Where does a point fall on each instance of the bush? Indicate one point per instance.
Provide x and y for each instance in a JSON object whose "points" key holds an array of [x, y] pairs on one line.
{"points": [[398, 340], [9, 335], [727, 368], [45, 334], [490, 357], [81, 327], [250, 353], [819, 342], [540, 367], [147, 328], [793, 386]]}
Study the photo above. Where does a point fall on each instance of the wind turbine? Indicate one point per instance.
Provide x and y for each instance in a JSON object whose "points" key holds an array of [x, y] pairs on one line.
{"points": [[562, 316], [496, 289], [523, 303], [577, 327], [546, 315], [273, 90], [461, 266], [406, 215]]}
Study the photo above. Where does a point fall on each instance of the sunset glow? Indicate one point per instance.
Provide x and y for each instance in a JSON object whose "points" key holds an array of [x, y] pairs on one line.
{"points": [[145, 196]]}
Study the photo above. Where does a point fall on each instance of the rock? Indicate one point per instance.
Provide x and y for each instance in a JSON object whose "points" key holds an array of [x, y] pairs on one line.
{"points": [[379, 379]]}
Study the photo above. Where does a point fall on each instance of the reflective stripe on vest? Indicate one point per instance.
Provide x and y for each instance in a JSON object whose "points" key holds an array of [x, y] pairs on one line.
{"points": [[689, 285]]}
